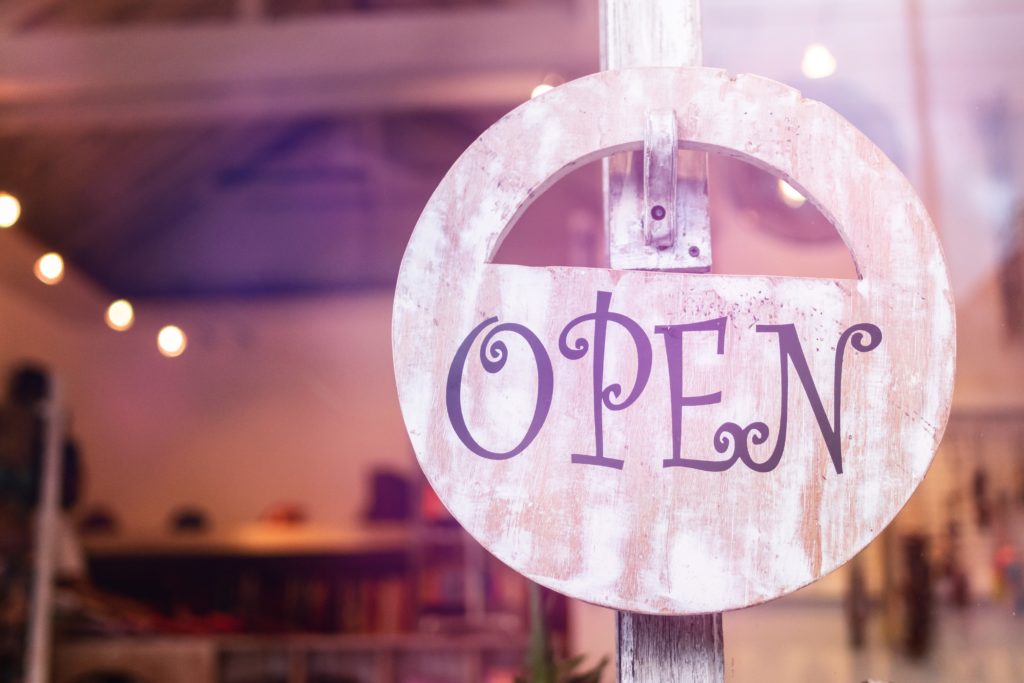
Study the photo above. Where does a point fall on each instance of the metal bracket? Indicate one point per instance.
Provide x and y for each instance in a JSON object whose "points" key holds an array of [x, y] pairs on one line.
{"points": [[660, 150], [658, 213]]}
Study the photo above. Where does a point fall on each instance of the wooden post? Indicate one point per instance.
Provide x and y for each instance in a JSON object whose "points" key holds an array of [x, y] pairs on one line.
{"points": [[659, 33], [654, 33], [653, 649]]}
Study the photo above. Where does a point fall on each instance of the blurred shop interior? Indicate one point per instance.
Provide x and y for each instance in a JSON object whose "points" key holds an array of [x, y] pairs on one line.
{"points": [[205, 205]]}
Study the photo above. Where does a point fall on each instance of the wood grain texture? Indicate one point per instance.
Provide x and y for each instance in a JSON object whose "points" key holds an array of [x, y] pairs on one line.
{"points": [[658, 648], [647, 538], [650, 34]]}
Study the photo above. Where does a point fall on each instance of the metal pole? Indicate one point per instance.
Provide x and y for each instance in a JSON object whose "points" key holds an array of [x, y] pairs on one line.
{"points": [[37, 655]]}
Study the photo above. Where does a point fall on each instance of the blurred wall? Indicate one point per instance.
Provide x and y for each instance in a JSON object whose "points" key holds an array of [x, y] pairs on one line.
{"points": [[289, 400]]}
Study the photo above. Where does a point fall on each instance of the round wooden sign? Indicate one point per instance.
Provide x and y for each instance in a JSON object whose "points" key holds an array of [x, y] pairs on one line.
{"points": [[664, 442]]}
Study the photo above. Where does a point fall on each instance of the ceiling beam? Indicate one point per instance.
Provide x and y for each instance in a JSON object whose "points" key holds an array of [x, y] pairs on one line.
{"points": [[220, 72], [16, 15]]}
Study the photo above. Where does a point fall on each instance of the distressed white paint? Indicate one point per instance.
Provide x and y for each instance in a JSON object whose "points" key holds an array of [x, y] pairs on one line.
{"points": [[680, 541]]}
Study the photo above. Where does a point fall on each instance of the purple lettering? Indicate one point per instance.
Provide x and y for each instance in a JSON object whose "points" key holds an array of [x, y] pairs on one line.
{"points": [[674, 353], [604, 395], [730, 439], [493, 357], [791, 351]]}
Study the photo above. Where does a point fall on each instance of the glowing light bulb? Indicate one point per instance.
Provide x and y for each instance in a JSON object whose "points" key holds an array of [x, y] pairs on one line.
{"points": [[550, 82], [540, 90], [49, 268], [171, 341], [818, 62], [10, 210], [790, 196], [120, 315]]}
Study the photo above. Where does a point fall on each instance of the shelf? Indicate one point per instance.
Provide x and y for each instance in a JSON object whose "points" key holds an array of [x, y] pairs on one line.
{"points": [[258, 540], [386, 602], [399, 642], [293, 658], [315, 642]]}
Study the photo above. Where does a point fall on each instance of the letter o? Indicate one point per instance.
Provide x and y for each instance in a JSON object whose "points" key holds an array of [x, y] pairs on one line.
{"points": [[493, 359]]}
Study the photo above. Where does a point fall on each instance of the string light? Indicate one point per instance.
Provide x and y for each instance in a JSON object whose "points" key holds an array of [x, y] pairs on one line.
{"points": [[789, 195], [49, 268], [540, 90], [171, 341], [818, 62], [550, 82], [120, 315], [10, 210]]}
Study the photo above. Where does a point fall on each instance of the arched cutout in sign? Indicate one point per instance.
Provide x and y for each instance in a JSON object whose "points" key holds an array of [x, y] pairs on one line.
{"points": [[666, 442]]}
